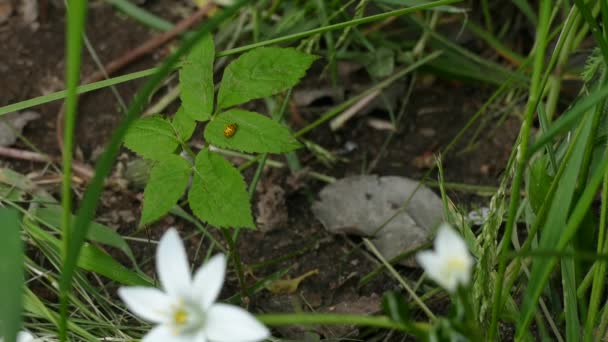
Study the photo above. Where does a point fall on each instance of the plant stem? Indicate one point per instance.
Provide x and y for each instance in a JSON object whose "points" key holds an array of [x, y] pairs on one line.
{"points": [[336, 319], [600, 267], [77, 12], [522, 155], [236, 258]]}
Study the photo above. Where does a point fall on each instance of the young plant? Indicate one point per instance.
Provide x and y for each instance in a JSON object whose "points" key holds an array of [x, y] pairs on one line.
{"points": [[218, 193]]}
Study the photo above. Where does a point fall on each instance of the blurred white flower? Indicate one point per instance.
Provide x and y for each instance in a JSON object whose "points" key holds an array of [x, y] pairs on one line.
{"points": [[450, 263], [186, 310], [479, 216], [23, 336], [224, 2]]}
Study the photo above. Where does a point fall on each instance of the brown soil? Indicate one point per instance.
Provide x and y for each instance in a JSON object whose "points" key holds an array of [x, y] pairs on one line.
{"points": [[31, 64]]}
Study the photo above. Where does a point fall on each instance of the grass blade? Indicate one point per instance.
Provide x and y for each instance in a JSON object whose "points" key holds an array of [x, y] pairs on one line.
{"points": [[141, 15], [77, 12], [11, 273], [542, 268], [522, 155]]}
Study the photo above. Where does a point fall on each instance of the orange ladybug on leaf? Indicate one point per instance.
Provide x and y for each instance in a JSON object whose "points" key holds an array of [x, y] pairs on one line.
{"points": [[230, 130]]}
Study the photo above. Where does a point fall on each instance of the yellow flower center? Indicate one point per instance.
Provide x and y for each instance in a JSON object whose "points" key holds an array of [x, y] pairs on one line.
{"points": [[456, 264], [180, 317]]}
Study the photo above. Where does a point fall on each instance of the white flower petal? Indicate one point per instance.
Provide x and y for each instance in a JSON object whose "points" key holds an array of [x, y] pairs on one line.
{"points": [[431, 264], [224, 2], [163, 333], [148, 303], [201, 337], [172, 264], [208, 280], [228, 323], [24, 336], [449, 242], [450, 264]]}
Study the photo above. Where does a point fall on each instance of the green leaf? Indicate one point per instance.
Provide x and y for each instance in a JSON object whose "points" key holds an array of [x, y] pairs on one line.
{"points": [[11, 273], [218, 194], [168, 181], [254, 133], [539, 182], [183, 125], [152, 137], [196, 80], [260, 73]]}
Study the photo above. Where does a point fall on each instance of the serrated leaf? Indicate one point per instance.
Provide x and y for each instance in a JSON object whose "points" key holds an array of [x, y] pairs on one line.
{"points": [[260, 73], [254, 133], [167, 183], [183, 124], [196, 80], [218, 194], [152, 137], [11, 273]]}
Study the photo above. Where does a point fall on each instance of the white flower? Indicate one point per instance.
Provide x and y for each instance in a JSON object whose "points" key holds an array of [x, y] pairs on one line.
{"points": [[479, 217], [451, 263], [23, 336], [186, 310]]}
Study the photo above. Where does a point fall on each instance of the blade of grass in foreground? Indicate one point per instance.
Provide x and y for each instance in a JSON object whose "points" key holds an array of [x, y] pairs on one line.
{"points": [[76, 12], [11, 273], [104, 165]]}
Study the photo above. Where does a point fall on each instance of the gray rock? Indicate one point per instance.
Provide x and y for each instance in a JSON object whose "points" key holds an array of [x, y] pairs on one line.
{"points": [[362, 205], [11, 126]]}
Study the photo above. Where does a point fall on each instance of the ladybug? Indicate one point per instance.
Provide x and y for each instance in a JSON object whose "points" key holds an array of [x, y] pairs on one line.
{"points": [[230, 130]]}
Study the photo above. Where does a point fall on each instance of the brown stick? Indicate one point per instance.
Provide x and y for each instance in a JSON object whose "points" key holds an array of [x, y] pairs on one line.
{"points": [[82, 170], [147, 47]]}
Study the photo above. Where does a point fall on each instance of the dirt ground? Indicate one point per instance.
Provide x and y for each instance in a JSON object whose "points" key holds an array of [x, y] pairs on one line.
{"points": [[31, 64]]}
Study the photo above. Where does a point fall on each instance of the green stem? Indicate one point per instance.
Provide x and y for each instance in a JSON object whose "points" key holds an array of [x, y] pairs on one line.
{"points": [[486, 15], [535, 94], [336, 319], [401, 281], [258, 172], [77, 12], [600, 267], [603, 323], [236, 258], [141, 15]]}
